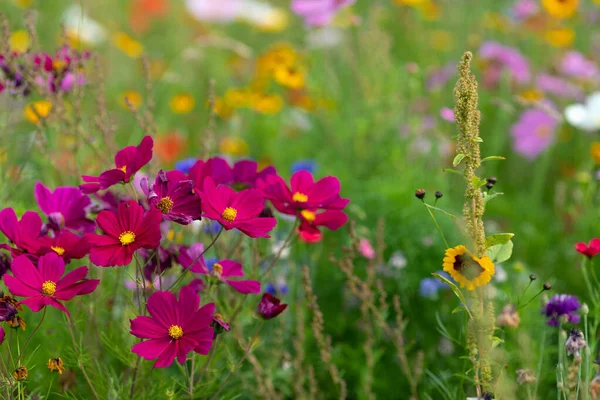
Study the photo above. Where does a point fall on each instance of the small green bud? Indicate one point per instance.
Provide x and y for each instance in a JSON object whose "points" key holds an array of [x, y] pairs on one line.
{"points": [[585, 310]]}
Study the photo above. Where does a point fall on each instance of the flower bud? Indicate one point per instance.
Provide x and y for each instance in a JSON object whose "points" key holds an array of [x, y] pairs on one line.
{"points": [[532, 277], [585, 310], [547, 286], [492, 180], [575, 342], [489, 185], [420, 194], [439, 195]]}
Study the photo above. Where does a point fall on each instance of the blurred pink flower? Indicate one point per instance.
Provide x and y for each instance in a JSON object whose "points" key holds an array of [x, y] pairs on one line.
{"points": [[318, 12], [557, 86], [576, 65], [503, 58], [366, 249], [447, 114], [533, 132], [524, 9]]}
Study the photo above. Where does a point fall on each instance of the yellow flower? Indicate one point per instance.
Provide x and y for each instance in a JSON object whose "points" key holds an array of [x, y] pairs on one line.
{"points": [[20, 373], [133, 97], [222, 108], [266, 103], [237, 97], [36, 110], [234, 146], [279, 55], [560, 37], [182, 103], [23, 3], [467, 269], [290, 77], [430, 11], [561, 8], [56, 364], [441, 40], [3, 155], [410, 2], [128, 45], [595, 152], [19, 41], [531, 96]]}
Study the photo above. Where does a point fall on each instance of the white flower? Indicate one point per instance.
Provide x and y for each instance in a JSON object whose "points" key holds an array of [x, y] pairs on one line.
{"points": [[397, 260], [326, 37], [500, 275], [585, 116], [80, 27]]}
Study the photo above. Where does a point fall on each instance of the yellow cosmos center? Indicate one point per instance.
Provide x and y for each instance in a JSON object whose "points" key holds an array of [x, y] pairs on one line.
{"points": [[126, 238], [58, 250], [49, 288], [308, 215], [543, 131], [218, 317], [175, 332], [217, 269], [165, 205], [300, 197], [124, 168], [229, 214]]}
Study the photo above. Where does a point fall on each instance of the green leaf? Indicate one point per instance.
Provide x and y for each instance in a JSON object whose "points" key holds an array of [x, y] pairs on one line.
{"points": [[498, 238], [496, 341], [476, 181], [488, 197], [459, 157], [460, 308], [500, 252], [455, 289], [452, 171], [490, 158], [478, 139], [440, 210]]}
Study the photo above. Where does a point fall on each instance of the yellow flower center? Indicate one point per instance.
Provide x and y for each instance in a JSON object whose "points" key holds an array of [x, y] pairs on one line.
{"points": [[468, 267], [217, 269], [229, 214], [124, 168], [308, 215], [543, 131], [300, 197], [175, 332], [126, 238], [58, 250], [165, 205], [49, 288], [218, 317]]}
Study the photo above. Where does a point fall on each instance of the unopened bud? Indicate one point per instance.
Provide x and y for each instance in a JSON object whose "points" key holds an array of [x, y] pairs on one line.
{"points": [[585, 310], [439, 195], [532, 277], [489, 185], [492, 180], [420, 194], [547, 286]]}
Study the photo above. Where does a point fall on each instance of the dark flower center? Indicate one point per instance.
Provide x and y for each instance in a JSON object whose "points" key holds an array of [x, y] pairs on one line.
{"points": [[468, 267]]}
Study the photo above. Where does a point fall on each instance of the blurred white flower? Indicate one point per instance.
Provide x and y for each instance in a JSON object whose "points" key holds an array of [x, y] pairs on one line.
{"points": [[500, 275], [397, 260], [80, 27], [258, 13], [325, 37], [277, 246], [585, 116]]}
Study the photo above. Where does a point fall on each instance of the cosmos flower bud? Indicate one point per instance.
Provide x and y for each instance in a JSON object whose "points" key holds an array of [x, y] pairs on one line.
{"points": [[585, 310], [420, 194], [439, 195], [575, 342], [492, 180], [219, 324], [269, 306], [547, 286], [532, 277], [489, 185], [509, 317]]}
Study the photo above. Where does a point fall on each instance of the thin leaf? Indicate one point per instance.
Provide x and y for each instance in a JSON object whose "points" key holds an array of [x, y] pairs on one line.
{"points": [[440, 210], [478, 139], [439, 384], [455, 289], [457, 160], [496, 341], [452, 171], [490, 158], [498, 238], [488, 197]]}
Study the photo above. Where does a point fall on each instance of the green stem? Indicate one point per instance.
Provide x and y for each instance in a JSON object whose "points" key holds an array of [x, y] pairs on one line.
{"points": [[437, 226], [22, 350], [538, 374], [586, 376]]}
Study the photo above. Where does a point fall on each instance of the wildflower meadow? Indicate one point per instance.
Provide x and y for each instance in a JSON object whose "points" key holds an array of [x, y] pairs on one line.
{"points": [[300, 199]]}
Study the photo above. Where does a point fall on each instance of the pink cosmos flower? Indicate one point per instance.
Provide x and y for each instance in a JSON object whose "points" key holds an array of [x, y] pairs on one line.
{"points": [[245, 173], [23, 234], [366, 249], [221, 270], [45, 285], [447, 114], [269, 306], [128, 161], [502, 58], [216, 168], [589, 250], [67, 245], [305, 193], [310, 237], [176, 199], [311, 220], [124, 232], [576, 65], [65, 208], [174, 328], [558, 86], [533, 133], [236, 210], [318, 12]]}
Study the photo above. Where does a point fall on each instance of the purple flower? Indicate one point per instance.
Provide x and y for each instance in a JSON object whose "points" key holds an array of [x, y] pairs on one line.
{"points": [[562, 305], [524, 9], [503, 58], [304, 165], [440, 76], [318, 12], [557, 86], [447, 114], [65, 208], [176, 199], [269, 306], [533, 133], [574, 64]]}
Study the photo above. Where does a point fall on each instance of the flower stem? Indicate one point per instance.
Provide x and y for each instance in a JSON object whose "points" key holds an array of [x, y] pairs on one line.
{"points": [[22, 350], [79, 362], [285, 244], [437, 225]]}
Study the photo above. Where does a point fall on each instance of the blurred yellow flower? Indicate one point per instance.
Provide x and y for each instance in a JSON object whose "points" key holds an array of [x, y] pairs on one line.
{"points": [[441, 40], [531, 95], [301, 100], [560, 37], [134, 98], [182, 103], [23, 3], [157, 68], [495, 21], [266, 103], [2, 155], [279, 55], [222, 108], [430, 11], [36, 110], [561, 8], [277, 21], [410, 2], [233, 146], [237, 97], [128, 45], [290, 77], [19, 41], [595, 152]]}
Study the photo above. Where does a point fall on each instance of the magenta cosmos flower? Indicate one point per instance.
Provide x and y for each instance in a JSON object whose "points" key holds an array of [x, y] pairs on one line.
{"points": [[305, 193], [174, 328], [67, 245], [500, 58], [23, 234], [216, 168], [175, 198], [236, 210], [124, 232], [221, 270], [45, 285], [245, 173], [318, 12], [65, 208], [533, 133], [269, 306], [589, 250], [128, 161], [310, 221]]}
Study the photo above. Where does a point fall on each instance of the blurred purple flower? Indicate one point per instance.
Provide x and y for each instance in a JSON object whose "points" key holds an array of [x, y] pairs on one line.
{"points": [[429, 287], [318, 12], [447, 114], [576, 65], [503, 58], [524, 9], [533, 133], [440, 76], [562, 305], [557, 86]]}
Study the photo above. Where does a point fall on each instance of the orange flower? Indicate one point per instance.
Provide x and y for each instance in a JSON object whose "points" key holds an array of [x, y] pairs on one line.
{"points": [[169, 147], [561, 8]]}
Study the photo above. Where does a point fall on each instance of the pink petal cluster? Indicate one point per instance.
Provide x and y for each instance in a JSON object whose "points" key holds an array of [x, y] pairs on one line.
{"points": [[318, 12]]}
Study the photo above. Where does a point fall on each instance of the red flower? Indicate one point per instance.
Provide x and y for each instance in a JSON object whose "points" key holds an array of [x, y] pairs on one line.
{"points": [[124, 232], [128, 161], [236, 210], [589, 250], [269, 306], [45, 285]]}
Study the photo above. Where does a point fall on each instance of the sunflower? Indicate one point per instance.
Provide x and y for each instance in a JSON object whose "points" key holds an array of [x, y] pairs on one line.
{"points": [[466, 269], [561, 8]]}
